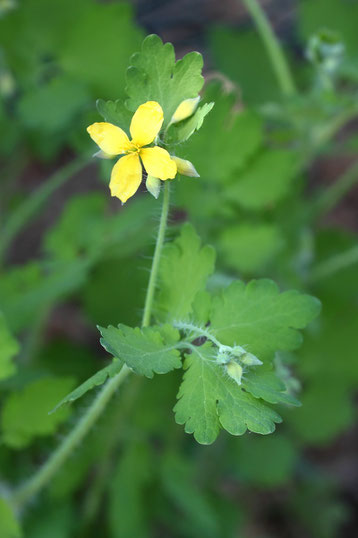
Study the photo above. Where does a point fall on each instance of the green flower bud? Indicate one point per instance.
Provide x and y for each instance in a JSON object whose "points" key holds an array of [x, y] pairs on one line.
{"points": [[248, 359], [235, 371]]}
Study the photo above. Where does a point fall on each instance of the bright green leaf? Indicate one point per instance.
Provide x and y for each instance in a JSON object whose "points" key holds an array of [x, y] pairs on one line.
{"points": [[260, 318], [209, 398], [115, 112], [262, 382], [147, 351], [184, 269], [154, 75]]}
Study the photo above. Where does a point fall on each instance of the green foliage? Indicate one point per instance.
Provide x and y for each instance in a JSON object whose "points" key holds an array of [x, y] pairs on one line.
{"points": [[54, 106], [332, 14], [266, 180], [250, 59], [104, 37], [8, 350], [154, 75], [264, 383], [86, 262], [55, 521], [209, 399], [260, 318], [105, 304], [97, 379], [256, 317], [127, 514], [330, 380], [86, 230], [227, 139], [114, 112], [9, 527], [181, 484], [147, 351], [249, 247], [278, 462], [183, 273], [178, 133], [25, 414], [79, 230], [32, 288]]}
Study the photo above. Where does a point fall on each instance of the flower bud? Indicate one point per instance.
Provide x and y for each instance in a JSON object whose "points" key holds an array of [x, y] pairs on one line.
{"points": [[238, 351], [184, 167], [248, 359], [185, 109], [235, 371], [153, 186]]}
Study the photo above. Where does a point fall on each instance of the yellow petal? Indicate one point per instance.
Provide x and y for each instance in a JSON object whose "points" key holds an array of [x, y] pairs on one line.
{"points": [[158, 163], [146, 123], [126, 177], [184, 167], [111, 139], [185, 109]]}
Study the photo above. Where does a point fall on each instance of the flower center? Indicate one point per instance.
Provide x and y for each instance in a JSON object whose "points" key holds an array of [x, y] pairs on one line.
{"points": [[133, 149]]}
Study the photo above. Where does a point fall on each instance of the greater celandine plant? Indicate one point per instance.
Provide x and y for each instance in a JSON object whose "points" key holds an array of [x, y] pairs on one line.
{"points": [[225, 342]]}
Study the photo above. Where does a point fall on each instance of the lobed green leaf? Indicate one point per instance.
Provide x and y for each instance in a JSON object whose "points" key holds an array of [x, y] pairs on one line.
{"points": [[147, 351], [260, 318], [154, 75], [184, 269], [209, 399]]}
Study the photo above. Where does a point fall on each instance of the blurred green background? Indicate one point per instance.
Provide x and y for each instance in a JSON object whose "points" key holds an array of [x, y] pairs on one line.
{"points": [[266, 165]]}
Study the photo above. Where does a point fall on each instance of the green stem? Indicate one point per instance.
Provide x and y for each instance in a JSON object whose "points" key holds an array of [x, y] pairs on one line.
{"points": [[273, 47], [28, 209], [30, 488], [336, 192], [50, 468], [156, 259]]}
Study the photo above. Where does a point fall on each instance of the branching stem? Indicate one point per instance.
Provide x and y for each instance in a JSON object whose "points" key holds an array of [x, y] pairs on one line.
{"points": [[44, 475]]}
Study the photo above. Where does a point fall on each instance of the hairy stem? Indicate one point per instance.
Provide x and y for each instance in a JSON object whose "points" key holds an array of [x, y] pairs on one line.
{"points": [[28, 209], [156, 259], [44, 475], [49, 469], [273, 47], [203, 333]]}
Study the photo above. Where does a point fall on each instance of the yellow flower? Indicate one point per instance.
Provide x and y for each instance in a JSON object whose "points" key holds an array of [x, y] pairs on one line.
{"points": [[127, 172]]}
